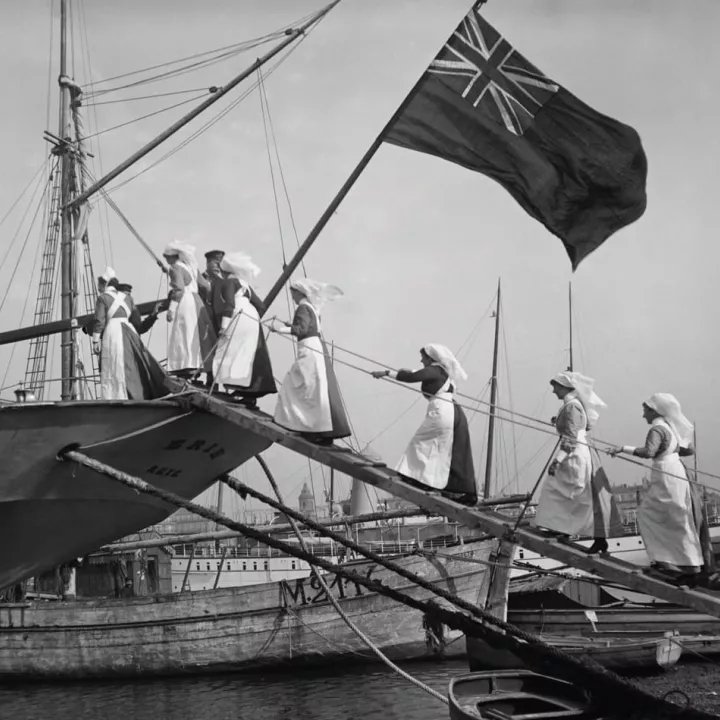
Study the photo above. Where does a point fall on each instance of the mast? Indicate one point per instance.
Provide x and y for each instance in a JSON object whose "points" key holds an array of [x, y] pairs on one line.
{"points": [[67, 266], [570, 366], [493, 401]]}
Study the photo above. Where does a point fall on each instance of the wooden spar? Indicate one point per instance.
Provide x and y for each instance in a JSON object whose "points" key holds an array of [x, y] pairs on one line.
{"points": [[380, 476], [67, 295], [58, 326], [313, 235], [226, 534], [293, 35], [493, 402], [497, 600]]}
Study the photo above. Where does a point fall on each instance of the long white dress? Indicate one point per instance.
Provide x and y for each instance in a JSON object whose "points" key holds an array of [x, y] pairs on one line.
{"points": [[309, 398], [191, 336], [113, 384], [566, 501], [303, 400], [665, 516], [428, 456], [236, 348]]}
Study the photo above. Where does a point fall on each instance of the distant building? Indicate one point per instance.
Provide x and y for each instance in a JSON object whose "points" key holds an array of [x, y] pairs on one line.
{"points": [[628, 499], [306, 503]]}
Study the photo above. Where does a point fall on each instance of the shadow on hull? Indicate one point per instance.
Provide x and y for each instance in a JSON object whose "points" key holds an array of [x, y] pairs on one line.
{"points": [[52, 511]]}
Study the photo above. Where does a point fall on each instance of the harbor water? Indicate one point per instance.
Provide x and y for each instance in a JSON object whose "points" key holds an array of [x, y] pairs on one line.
{"points": [[354, 693]]}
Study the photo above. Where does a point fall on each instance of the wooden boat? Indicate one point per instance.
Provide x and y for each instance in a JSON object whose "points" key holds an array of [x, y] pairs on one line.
{"points": [[574, 607], [620, 621], [613, 652], [618, 636], [78, 509], [516, 695], [273, 624]]}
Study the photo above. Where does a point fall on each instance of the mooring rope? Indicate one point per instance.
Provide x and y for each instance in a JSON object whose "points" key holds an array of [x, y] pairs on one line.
{"points": [[331, 598], [610, 690]]}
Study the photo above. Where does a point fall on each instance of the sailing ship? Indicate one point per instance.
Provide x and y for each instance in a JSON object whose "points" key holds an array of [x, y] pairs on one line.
{"points": [[182, 450], [163, 441]]}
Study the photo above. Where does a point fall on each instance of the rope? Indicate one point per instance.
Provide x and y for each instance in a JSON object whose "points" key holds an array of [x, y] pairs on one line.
{"points": [[333, 601], [547, 431], [149, 97], [611, 691], [219, 116]]}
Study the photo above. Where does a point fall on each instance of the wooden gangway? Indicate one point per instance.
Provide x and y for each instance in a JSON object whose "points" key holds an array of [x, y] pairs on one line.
{"points": [[344, 459]]}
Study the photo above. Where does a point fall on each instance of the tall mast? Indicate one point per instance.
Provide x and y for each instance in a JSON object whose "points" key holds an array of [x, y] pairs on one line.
{"points": [[570, 366], [66, 241], [493, 401]]}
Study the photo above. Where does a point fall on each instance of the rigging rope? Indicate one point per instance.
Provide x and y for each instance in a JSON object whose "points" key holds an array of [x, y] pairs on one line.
{"points": [[150, 97], [145, 117], [545, 427], [20, 197], [225, 53], [25, 242], [104, 231], [220, 115]]}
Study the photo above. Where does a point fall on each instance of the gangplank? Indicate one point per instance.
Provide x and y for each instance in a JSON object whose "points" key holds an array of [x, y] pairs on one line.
{"points": [[356, 465]]}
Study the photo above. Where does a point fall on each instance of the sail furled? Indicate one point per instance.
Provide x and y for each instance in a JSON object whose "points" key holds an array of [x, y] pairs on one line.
{"points": [[482, 105]]}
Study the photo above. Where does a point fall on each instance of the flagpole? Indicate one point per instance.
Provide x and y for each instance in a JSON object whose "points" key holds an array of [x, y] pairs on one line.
{"points": [[303, 250]]}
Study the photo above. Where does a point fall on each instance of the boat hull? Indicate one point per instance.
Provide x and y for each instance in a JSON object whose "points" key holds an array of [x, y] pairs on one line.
{"points": [[516, 694], [261, 626], [627, 621], [53, 511]]}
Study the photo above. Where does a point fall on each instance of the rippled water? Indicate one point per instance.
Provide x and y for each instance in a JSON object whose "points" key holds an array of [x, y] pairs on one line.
{"points": [[357, 693]]}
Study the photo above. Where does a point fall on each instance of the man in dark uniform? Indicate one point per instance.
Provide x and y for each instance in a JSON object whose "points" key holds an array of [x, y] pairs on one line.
{"points": [[211, 275], [210, 292]]}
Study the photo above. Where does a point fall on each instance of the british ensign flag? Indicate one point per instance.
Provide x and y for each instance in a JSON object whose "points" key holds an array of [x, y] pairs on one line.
{"points": [[490, 74]]}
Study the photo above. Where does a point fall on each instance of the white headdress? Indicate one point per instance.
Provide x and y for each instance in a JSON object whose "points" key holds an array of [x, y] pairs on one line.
{"points": [[108, 274], [668, 407], [240, 266], [583, 387], [317, 293], [446, 359], [186, 254]]}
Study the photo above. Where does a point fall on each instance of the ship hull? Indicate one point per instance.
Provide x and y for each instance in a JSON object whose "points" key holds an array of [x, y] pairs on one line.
{"points": [[53, 511], [235, 629]]}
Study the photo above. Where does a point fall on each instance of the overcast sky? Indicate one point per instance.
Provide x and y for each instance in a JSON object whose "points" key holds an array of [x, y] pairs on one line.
{"points": [[419, 244]]}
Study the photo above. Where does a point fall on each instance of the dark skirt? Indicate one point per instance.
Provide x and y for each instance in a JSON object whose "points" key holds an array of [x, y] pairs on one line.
{"points": [[263, 382], [340, 423], [462, 469], [606, 516], [144, 378]]}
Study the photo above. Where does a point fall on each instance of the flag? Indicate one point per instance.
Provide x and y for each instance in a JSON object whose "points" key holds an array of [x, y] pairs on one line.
{"points": [[482, 105]]}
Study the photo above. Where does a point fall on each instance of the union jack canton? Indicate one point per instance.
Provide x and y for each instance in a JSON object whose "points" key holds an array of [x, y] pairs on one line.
{"points": [[489, 73]]}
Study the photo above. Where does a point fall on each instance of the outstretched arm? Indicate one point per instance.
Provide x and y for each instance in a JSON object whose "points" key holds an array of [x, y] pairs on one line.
{"points": [[651, 448], [432, 372]]}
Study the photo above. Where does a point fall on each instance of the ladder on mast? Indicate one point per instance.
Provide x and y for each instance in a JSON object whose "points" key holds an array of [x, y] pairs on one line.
{"points": [[36, 367]]}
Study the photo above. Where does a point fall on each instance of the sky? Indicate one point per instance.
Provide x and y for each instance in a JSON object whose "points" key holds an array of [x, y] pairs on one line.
{"points": [[419, 245]]}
